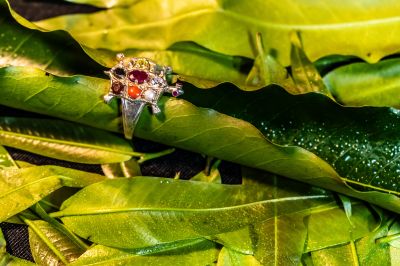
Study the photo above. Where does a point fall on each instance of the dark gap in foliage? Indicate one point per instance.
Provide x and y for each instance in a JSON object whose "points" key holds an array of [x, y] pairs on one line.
{"points": [[35, 10], [230, 173], [42, 160], [16, 236]]}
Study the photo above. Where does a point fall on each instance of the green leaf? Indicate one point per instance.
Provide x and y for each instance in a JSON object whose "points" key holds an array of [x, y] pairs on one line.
{"points": [[74, 97], [211, 175], [266, 70], [49, 246], [332, 227], [21, 188], [305, 75], [123, 169], [64, 140], [228, 257], [366, 251], [5, 159], [362, 84], [55, 52], [355, 152], [352, 151], [152, 206], [340, 27], [194, 252], [281, 240]]}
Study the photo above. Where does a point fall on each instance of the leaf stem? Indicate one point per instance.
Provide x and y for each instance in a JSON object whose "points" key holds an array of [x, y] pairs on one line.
{"points": [[43, 237], [149, 156], [387, 239], [370, 186], [60, 227]]}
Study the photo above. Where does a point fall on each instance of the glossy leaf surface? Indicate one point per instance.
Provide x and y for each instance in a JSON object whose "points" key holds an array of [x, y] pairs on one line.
{"points": [[365, 29], [355, 152], [55, 52], [361, 84], [228, 257], [139, 212], [21, 188], [195, 253], [40, 234], [64, 140]]}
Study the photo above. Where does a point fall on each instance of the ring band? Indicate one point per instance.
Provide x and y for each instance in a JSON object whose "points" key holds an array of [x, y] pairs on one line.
{"points": [[138, 82]]}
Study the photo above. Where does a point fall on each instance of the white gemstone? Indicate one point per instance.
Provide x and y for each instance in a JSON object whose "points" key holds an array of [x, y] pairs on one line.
{"points": [[149, 95]]}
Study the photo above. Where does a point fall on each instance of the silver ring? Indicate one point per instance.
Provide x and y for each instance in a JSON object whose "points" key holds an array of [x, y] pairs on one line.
{"points": [[138, 82]]}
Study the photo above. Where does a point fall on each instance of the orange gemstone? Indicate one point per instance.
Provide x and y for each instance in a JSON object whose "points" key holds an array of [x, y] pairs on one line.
{"points": [[134, 91]]}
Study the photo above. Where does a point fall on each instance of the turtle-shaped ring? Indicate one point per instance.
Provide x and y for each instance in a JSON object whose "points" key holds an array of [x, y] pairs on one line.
{"points": [[138, 82]]}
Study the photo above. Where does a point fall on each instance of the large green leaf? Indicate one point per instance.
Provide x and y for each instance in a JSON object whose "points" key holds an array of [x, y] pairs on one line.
{"points": [[139, 212], [332, 227], [367, 29], [21, 188], [74, 97], [55, 52], [355, 152], [64, 140], [365, 156], [228, 257], [366, 84], [194, 252], [366, 251], [49, 246]]}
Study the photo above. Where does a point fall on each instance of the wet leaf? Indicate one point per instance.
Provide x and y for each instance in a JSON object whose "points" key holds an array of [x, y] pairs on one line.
{"points": [[64, 140], [139, 212], [361, 84], [324, 27], [193, 252], [21, 188], [355, 152]]}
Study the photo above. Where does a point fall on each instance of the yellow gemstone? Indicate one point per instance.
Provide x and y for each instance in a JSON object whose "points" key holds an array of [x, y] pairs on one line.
{"points": [[142, 63]]}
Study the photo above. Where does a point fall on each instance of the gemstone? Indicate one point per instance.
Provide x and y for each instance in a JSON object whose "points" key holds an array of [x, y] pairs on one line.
{"points": [[149, 95], [175, 93], [142, 63], [138, 75], [134, 91], [119, 72], [117, 87]]}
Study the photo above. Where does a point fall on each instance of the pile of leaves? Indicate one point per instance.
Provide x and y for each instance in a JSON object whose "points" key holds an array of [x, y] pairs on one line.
{"points": [[304, 95]]}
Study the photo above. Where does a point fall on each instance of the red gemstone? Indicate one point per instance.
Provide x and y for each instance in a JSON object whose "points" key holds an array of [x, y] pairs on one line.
{"points": [[138, 75], [134, 91], [117, 87]]}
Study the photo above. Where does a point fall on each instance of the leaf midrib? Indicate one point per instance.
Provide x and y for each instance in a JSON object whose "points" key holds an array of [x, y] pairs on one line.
{"points": [[29, 184], [359, 23], [147, 209], [69, 143]]}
